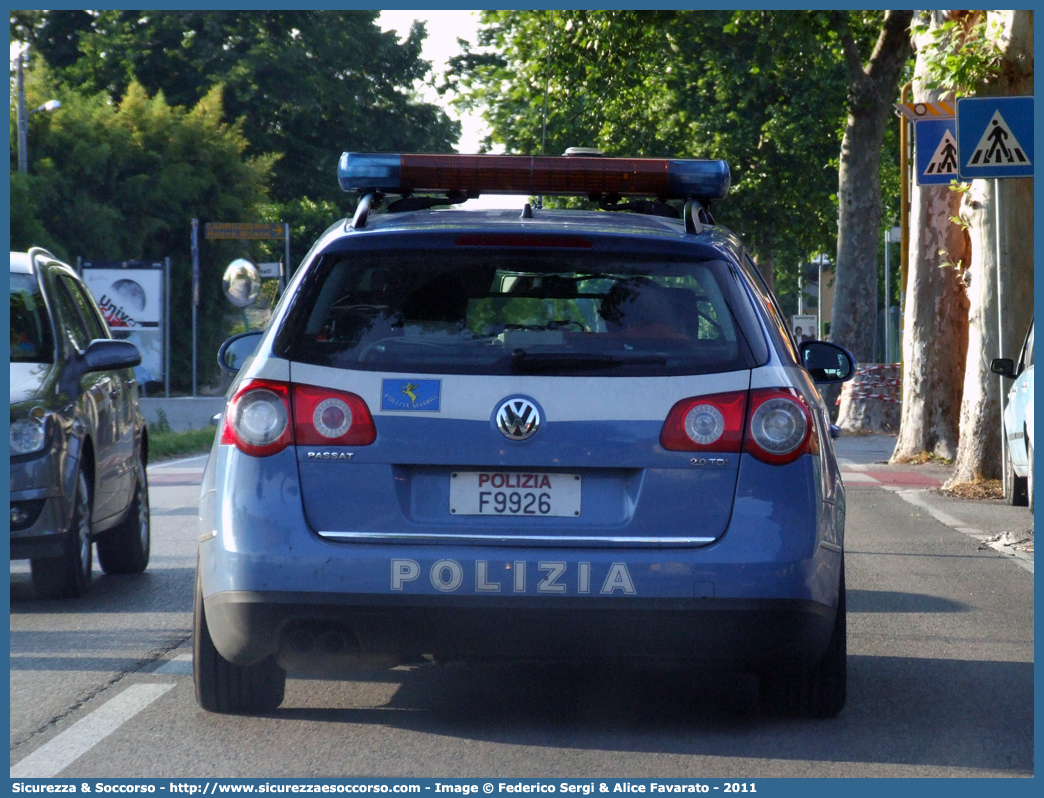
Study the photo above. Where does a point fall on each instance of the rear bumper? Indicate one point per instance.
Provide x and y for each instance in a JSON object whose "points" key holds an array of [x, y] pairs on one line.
{"points": [[765, 591], [321, 629]]}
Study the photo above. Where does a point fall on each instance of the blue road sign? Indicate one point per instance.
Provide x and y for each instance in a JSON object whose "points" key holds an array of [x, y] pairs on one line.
{"points": [[936, 141], [994, 137]]}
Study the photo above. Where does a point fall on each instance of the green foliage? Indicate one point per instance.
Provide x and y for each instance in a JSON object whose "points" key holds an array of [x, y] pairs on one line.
{"points": [[167, 443], [767, 91], [120, 181], [305, 84], [959, 56], [162, 424], [26, 227]]}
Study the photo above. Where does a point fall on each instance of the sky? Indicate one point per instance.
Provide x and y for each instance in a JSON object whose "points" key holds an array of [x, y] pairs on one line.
{"points": [[444, 28]]}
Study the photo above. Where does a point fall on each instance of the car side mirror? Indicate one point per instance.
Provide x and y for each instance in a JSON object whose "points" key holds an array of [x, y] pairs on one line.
{"points": [[233, 354], [105, 354], [827, 362], [1004, 366], [102, 354]]}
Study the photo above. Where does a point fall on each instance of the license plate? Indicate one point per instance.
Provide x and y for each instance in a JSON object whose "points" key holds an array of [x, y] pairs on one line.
{"points": [[514, 493]]}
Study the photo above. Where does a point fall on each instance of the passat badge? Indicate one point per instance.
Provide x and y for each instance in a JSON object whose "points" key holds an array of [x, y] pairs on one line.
{"points": [[415, 395]]}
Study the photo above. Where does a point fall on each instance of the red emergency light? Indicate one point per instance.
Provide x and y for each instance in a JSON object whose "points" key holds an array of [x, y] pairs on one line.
{"points": [[664, 178]]}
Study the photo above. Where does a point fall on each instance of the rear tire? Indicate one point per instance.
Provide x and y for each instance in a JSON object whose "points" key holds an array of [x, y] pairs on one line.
{"points": [[125, 550], [1015, 486], [224, 687], [69, 575], [821, 692]]}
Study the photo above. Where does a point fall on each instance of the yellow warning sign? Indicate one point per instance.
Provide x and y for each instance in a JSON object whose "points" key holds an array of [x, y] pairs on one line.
{"points": [[918, 111]]}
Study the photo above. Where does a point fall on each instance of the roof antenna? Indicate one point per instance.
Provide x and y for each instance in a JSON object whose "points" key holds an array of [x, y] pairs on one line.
{"points": [[547, 82]]}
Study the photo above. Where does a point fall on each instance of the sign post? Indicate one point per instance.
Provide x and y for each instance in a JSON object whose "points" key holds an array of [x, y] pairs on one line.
{"points": [[195, 295], [892, 236], [166, 326], [995, 140], [283, 269]]}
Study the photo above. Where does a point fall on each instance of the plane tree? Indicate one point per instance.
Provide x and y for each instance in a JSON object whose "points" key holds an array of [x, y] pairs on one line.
{"points": [[769, 91], [995, 58], [935, 327], [873, 88], [755, 88]]}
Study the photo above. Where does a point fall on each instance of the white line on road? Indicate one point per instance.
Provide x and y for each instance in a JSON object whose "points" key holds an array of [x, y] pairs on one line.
{"points": [[849, 465], [915, 498], [857, 476], [58, 753], [181, 665]]}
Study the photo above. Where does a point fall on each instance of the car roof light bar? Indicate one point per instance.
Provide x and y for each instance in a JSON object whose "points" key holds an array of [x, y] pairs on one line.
{"points": [[665, 178]]}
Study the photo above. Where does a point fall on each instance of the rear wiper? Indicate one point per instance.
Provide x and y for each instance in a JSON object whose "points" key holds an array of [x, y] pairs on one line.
{"points": [[529, 362]]}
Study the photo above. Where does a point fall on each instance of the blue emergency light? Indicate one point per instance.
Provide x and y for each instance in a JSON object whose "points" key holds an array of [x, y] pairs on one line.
{"points": [[664, 178]]}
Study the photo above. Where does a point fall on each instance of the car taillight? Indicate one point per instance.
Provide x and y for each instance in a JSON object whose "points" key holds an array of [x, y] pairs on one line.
{"points": [[706, 424], [324, 417], [257, 419], [780, 426]]}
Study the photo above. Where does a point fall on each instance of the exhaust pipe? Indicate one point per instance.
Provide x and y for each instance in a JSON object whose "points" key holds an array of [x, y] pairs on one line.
{"points": [[326, 648]]}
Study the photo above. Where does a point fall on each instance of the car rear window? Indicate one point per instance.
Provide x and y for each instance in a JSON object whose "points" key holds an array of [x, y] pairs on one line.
{"points": [[30, 324], [480, 311]]}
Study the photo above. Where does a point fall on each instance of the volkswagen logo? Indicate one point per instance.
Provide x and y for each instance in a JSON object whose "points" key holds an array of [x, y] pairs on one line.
{"points": [[518, 419]]}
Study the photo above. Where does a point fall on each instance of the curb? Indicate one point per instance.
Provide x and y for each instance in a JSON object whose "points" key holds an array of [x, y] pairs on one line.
{"points": [[916, 498]]}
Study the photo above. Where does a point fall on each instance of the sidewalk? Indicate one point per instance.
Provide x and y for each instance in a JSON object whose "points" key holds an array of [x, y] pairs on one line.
{"points": [[183, 412], [864, 464]]}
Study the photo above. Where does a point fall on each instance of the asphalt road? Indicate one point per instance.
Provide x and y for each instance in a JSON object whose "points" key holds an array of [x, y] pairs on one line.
{"points": [[940, 682]]}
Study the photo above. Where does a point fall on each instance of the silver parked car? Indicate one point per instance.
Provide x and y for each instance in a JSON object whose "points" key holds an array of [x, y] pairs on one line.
{"points": [[1018, 423]]}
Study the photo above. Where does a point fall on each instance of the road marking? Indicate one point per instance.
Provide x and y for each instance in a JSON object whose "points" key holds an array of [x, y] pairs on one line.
{"points": [[915, 498], [850, 465], [58, 753], [181, 665], [857, 476]]}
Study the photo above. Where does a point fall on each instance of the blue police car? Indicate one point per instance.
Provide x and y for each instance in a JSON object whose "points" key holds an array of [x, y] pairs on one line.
{"points": [[550, 435]]}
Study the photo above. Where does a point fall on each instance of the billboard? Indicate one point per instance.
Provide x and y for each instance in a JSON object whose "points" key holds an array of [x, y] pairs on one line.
{"points": [[804, 327], [130, 295]]}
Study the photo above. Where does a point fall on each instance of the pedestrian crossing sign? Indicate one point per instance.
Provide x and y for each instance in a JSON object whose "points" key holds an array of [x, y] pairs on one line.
{"points": [[936, 141], [995, 137]]}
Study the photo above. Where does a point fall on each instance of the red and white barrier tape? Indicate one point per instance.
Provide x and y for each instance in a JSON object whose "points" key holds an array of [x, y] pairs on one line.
{"points": [[862, 388]]}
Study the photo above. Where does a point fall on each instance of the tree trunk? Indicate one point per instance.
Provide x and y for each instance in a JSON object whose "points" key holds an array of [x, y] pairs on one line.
{"points": [[767, 266], [870, 401], [935, 325], [871, 94], [979, 452]]}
